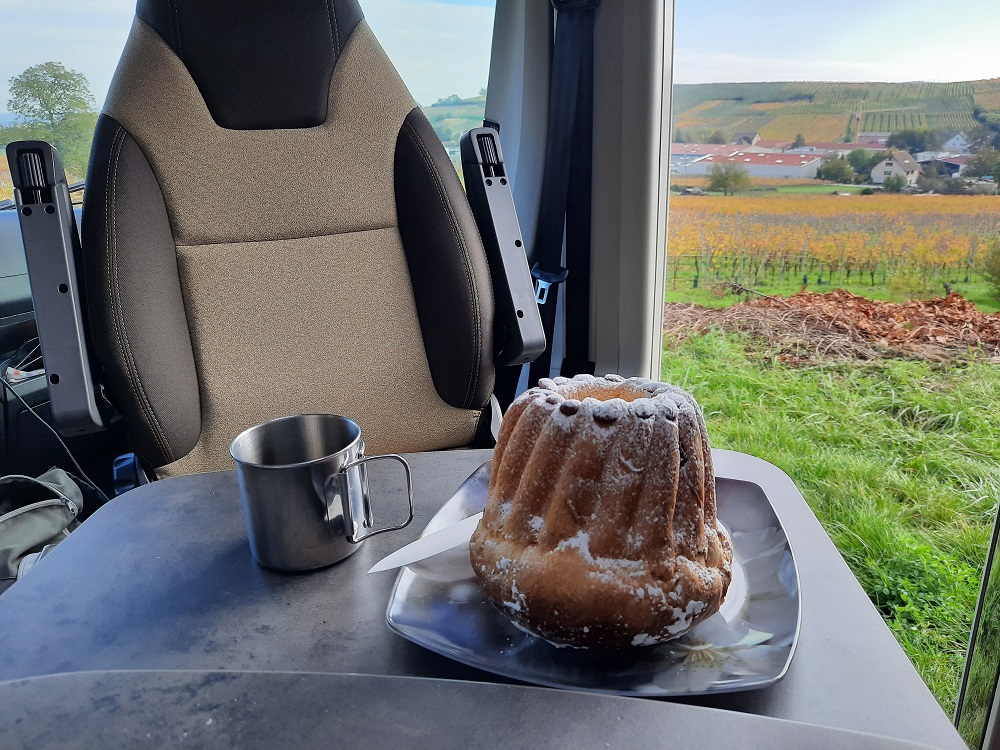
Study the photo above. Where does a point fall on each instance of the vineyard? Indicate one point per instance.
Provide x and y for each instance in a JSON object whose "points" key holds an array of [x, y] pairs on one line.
{"points": [[829, 111], [6, 184], [986, 94], [819, 127], [916, 242]]}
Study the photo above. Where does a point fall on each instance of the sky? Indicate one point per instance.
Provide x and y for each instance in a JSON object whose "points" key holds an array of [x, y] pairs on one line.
{"points": [[440, 47], [802, 40]]}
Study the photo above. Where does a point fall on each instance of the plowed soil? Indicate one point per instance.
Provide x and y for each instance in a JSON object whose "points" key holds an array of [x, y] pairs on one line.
{"points": [[842, 325]]}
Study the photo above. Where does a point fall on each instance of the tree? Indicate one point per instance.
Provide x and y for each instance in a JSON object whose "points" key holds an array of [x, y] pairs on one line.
{"points": [[915, 140], [448, 101], [49, 93], [729, 178], [894, 183], [836, 170], [53, 103], [991, 265], [985, 163], [799, 141], [860, 160], [980, 136], [717, 137]]}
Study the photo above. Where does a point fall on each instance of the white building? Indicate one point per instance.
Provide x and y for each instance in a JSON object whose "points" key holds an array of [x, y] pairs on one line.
{"points": [[896, 163], [801, 166], [957, 144]]}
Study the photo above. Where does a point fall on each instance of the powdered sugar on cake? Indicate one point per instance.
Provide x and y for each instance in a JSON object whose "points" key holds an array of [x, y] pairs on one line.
{"points": [[601, 524]]}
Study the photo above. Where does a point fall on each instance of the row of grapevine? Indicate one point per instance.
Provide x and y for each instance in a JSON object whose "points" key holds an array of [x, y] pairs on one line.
{"points": [[819, 127], [986, 94], [893, 121], [953, 121], [884, 106], [879, 237]]}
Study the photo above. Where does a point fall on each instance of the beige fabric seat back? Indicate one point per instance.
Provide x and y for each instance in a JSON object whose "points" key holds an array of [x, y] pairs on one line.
{"points": [[271, 227]]}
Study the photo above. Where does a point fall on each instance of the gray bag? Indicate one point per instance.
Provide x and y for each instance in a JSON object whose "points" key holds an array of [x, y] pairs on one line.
{"points": [[35, 515]]}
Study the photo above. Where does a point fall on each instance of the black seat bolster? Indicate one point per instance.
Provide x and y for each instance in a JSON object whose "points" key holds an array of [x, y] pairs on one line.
{"points": [[448, 267], [133, 302]]}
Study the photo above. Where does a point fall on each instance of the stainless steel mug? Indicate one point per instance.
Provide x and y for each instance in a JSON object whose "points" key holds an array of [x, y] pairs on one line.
{"points": [[304, 487]]}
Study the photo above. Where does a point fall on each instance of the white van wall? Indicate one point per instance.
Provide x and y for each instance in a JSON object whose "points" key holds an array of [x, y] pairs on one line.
{"points": [[632, 84]]}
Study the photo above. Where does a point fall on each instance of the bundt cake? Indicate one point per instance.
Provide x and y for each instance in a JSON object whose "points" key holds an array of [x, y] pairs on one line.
{"points": [[600, 528]]}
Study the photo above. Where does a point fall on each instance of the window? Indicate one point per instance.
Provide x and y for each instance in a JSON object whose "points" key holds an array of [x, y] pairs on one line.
{"points": [[62, 51], [441, 49], [888, 172]]}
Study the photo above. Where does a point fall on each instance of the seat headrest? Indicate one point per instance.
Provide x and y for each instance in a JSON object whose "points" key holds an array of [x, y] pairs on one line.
{"points": [[259, 64]]}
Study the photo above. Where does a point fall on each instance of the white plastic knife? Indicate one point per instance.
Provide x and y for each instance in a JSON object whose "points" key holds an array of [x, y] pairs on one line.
{"points": [[430, 545]]}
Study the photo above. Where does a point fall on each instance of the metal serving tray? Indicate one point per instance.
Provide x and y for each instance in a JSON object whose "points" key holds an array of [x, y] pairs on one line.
{"points": [[439, 604]]}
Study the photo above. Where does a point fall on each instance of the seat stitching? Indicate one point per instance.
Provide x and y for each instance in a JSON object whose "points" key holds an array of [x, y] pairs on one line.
{"points": [[133, 371], [146, 405], [173, 38], [175, 17], [116, 312], [329, 23], [107, 231], [293, 239], [439, 186], [336, 29]]}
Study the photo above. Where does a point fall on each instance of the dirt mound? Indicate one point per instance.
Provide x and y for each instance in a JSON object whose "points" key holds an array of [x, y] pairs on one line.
{"points": [[839, 324]]}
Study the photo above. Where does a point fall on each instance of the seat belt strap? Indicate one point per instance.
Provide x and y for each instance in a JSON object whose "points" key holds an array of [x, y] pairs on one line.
{"points": [[576, 348], [570, 86]]}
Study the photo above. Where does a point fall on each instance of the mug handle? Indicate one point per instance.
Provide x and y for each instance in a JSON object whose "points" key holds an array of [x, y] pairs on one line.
{"points": [[353, 539]]}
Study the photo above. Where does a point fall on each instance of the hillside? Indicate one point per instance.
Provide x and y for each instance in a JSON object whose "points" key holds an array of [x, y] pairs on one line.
{"points": [[832, 111], [453, 116]]}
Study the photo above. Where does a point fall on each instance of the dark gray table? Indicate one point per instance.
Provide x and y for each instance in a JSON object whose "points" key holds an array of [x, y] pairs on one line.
{"points": [[248, 710], [162, 578]]}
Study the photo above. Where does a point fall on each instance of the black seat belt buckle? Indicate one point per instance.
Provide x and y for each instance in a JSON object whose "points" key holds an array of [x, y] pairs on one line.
{"points": [[488, 188], [544, 280]]}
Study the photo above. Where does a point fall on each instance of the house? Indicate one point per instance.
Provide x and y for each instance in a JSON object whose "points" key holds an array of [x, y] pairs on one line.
{"points": [[958, 144], [801, 166], [896, 163], [873, 137], [746, 139]]}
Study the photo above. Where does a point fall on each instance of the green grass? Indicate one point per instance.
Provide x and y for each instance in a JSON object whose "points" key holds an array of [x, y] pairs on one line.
{"points": [[898, 459]]}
